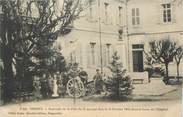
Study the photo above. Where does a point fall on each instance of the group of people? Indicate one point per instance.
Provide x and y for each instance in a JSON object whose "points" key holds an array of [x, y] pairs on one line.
{"points": [[55, 85], [43, 88], [74, 72]]}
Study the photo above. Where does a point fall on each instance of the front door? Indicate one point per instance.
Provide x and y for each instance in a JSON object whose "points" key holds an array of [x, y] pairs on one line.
{"points": [[138, 61]]}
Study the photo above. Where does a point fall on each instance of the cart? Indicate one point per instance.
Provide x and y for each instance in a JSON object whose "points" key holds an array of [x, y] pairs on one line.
{"points": [[77, 88]]}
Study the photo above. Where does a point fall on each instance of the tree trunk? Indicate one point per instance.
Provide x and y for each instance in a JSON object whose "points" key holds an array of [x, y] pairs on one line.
{"points": [[178, 72], [117, 89], [7, 58], [166, 79]]}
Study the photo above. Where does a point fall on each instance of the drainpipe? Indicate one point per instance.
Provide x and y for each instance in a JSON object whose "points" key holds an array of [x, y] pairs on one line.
{"points": [[100, 36]]}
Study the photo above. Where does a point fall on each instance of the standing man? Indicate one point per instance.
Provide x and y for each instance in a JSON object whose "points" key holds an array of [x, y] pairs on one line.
{"points": [[98, 83]]}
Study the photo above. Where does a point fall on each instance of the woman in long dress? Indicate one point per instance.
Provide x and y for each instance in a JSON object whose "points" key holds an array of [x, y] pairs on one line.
{"points": [[50, 86]]}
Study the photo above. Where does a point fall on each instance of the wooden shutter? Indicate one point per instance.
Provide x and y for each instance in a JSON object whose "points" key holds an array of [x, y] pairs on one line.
{"points": [[133, 16], [88, 54], [98, 57], [137, 16], [104, 55], [159, 13], [173, 12]]}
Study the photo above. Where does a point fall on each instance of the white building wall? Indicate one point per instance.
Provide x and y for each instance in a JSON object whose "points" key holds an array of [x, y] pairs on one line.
{"points": [[151, 16], [152, 27], [86, 31]]}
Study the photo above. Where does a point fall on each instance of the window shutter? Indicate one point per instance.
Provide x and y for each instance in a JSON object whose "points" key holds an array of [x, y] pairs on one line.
{"points": [[123, 17], [159, 13], [94, 56], [137, 12], [80, 55], [133, 12], [74, 56], [117, 19], [104, 55], [137, 16], [173, 12], [108, 54], [92, 53], [98, 55], [88, 55], [133, 16]]}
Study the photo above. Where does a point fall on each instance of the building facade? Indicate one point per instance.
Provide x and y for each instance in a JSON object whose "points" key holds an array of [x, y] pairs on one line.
{"points": [[96, 36], [153, 20], [124, 26]]}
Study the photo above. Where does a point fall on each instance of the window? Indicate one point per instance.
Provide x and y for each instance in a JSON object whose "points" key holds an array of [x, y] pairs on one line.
{"points": [[104, 55], [137, 61], [167, 16], [137, 54], [138, 46], [108, 53], [135, 16], [92, 53], [106, 12], [80, 56], [73, 57], [90, 9], [120, 15]]}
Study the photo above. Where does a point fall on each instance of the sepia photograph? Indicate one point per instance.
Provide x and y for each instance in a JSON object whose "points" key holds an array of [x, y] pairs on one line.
{"points": [[98, 58]]}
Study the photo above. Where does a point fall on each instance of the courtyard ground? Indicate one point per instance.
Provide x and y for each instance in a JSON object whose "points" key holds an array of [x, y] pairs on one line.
{"points": [[154, 99], [157, 90]]}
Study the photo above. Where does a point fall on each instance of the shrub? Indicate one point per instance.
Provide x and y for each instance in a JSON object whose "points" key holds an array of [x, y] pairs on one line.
{"points": [[119, 85]]}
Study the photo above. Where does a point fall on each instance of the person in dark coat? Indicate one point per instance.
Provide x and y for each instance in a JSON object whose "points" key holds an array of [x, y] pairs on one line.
{"points": [[64, 79], [74, 71], [84, 76], [44, 88], [61, 88]]}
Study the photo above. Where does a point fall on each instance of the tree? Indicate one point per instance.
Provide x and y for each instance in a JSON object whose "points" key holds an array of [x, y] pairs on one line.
{"points": [[149, 61], [178, 57], [28, 31], [163, 52], [120, 85]]}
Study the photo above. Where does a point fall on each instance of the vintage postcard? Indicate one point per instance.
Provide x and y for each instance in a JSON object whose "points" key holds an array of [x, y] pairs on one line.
{"points": [[91, 58]]}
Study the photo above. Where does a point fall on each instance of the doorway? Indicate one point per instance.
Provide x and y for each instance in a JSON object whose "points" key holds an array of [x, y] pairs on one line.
{"points": [[138, 64]]}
